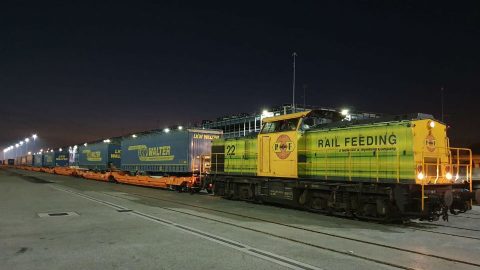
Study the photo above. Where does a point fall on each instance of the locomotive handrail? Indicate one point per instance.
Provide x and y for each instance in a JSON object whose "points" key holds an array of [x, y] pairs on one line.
{"points": [[454, 166], [455, 162]]}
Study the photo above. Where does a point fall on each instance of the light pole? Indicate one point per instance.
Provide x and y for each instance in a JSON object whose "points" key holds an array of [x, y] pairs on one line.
{"points": [[21, 143], [34, 137], [16, 147], [293, 86], [26, 145]]}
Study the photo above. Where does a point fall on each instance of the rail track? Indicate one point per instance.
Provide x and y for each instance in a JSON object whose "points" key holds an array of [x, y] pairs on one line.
{"points": [[465, 217], [408, 225], [306, 230], [446, 226], [343, 252]]}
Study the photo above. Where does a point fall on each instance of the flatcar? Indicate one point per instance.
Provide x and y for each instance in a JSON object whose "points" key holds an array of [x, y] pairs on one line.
{"points": [[394, 168]]}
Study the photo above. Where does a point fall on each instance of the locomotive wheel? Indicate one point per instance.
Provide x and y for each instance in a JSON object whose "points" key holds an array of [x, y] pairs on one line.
{"points": [[318, 203], [448, 198], [302, 200]]}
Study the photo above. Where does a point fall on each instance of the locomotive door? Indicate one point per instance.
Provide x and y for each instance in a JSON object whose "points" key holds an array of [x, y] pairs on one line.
{"points": [[265, 155]]}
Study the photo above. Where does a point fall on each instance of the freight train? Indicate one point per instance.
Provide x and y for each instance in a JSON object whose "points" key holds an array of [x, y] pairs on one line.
{"points": [[382, 169], [392, 168], [174, 158]]}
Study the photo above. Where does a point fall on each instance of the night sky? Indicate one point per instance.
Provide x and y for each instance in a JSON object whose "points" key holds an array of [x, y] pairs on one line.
{"points": [[74, 72]]}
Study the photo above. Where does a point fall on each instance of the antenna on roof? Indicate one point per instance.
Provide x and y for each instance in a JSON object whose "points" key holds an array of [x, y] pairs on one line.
{"points": [[293, 84]]}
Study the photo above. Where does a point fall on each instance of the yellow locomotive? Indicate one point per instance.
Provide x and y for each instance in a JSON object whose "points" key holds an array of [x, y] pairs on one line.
{"points": [[383, 169]]}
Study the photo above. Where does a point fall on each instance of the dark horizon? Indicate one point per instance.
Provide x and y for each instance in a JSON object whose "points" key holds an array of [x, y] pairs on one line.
{"points": [[74, 73]]}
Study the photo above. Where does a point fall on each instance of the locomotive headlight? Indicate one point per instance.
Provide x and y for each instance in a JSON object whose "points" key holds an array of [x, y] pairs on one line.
{"points": [[420, 175], [431, 124], [449, 176]]}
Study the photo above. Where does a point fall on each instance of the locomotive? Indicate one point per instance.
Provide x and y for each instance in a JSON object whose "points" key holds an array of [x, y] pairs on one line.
{"points": [[392, 168]]}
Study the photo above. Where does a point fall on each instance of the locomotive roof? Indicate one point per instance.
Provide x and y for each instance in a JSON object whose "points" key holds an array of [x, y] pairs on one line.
{"points": [[286, 116], [384, 119]]}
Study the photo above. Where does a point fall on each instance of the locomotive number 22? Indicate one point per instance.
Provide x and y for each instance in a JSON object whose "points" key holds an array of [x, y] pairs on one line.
{"points": [[230, 150]]}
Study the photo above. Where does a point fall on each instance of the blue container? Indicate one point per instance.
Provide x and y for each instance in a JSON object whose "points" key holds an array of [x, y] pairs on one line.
{"points": [[100, 155], [29, 160], [173, 152], [56, 159], [38, 160], [49, 159]]}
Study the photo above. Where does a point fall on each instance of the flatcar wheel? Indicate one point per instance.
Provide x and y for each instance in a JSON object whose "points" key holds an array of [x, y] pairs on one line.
{"points": [[112, 179]]}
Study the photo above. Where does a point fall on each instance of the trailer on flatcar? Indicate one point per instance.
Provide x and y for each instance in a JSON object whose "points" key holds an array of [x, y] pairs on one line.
{"points": [[176, 158]]}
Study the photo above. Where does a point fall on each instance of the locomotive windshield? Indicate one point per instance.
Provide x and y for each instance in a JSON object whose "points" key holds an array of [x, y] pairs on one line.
{"points": [[280, 126]]}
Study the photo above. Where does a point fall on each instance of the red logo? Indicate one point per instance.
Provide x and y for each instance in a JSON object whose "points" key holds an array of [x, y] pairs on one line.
{"points": [[283, 147]]}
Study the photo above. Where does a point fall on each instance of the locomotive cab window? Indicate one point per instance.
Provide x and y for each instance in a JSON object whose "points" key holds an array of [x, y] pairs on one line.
{"points": [[280, 126]]}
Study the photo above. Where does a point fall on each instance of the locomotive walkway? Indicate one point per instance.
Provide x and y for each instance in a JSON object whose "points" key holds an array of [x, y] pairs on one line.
{"points": [[57, 222]]}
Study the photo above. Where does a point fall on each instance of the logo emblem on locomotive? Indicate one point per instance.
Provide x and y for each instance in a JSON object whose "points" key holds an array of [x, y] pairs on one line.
{"points": [[430, 142], [283, 147]]}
